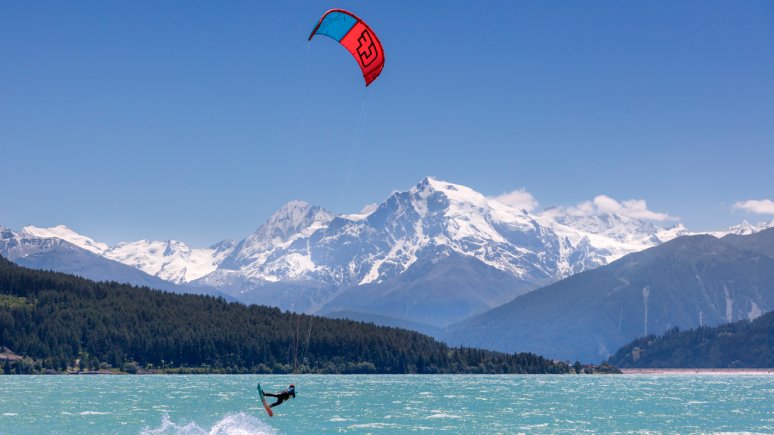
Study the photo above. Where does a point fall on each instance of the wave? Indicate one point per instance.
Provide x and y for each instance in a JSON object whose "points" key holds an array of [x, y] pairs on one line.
{"points": [[232, 424], [442, 415]]}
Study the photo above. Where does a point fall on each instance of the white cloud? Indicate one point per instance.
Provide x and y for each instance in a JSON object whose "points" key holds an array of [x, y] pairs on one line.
{"points": [[760, 206], [519, 199], [602, 204], [633, 208]]}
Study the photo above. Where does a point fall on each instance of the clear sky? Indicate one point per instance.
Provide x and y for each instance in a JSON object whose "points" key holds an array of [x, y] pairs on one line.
{"points": [[195, 120]]}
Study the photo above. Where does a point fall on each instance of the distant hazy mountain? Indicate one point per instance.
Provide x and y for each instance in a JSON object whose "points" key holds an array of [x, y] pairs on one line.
{"points": [[687, 282], [434, 254], [743, 229], [170, 260], [759, 242], [436, 291], [55, 254], [742, 344]]}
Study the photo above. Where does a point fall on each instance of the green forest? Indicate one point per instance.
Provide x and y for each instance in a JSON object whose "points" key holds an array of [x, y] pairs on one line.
{"points": [[741, 344], [55, 323]]}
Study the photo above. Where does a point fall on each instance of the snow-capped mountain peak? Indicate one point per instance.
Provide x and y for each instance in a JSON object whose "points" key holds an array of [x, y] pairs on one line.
{"points": [[6, 233], [466, 212], [169, 260], [456, 193], [743, 229], [428, 221], [293, 218], [746, 228], [64, 233], [293, 221]]}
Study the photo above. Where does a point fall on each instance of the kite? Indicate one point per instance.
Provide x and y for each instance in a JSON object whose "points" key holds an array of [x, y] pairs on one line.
{"points": [[355, 35]]}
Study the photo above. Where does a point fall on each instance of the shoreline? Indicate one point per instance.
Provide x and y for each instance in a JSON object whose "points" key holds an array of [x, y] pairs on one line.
{"points": [[726, 371]]}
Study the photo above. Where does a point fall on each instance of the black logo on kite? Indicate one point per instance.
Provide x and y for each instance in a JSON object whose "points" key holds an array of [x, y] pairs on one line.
{"points": [[366, 48]]}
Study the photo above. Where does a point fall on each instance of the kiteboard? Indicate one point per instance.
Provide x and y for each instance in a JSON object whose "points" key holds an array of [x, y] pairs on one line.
{"points": [[263, 400]]}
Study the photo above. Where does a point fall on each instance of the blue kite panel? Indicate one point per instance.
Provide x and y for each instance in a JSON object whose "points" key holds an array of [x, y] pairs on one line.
{"points": [[336, 25]]}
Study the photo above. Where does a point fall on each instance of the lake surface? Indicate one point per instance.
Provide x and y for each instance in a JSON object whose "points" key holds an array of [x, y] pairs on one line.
{"points": [[169, 404]]}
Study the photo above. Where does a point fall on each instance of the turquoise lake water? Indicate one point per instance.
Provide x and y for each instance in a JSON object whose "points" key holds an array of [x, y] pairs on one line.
{"points": [[168, 404]]}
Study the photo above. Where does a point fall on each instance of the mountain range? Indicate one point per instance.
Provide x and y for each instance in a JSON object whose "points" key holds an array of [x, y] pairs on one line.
{"points": [[28, 248], [689, 282], [433, 255]]}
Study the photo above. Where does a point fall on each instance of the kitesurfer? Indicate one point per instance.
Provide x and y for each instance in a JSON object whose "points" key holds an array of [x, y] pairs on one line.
{"points": [[282, 395]]}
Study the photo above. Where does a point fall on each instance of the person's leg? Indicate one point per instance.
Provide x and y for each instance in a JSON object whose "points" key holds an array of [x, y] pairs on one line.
{"points": [[279, 400]]}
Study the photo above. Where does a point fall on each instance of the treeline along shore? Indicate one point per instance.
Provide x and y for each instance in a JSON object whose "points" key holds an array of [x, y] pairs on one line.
{"points": [[57, 323], [739, 345]]}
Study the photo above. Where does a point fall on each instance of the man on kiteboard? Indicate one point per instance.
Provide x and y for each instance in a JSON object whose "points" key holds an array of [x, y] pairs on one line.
{"points": [[282, 395]]}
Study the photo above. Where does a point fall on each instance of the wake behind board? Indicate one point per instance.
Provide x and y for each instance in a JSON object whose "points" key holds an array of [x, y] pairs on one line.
{"points": [[263, 400]]}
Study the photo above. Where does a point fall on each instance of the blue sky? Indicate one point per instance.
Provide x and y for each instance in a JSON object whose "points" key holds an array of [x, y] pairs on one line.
{"points": [[196, 120]]}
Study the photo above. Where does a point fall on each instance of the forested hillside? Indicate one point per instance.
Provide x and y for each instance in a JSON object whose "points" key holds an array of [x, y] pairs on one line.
{"points": [[741, 344], [54, 320]]}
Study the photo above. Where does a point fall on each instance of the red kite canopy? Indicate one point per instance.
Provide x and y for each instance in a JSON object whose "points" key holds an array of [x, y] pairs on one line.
{"points": [[355, 35]]}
